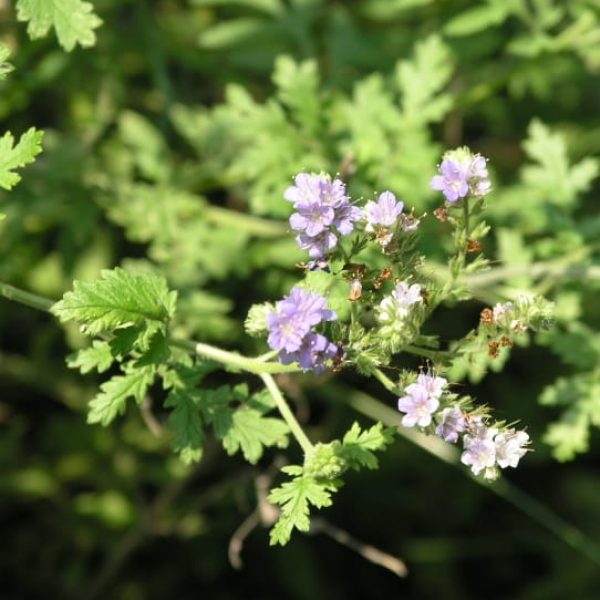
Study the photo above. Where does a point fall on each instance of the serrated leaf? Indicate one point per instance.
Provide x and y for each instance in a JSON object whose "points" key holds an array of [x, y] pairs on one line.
{"points": [[251, 432], [15, 156], [358, 446], [479, 18], [73, 20], [118, 299], [186, 425], [422, 78], [115, 392], [5, 66], [295, 498], [244, 427], [98, 356]]}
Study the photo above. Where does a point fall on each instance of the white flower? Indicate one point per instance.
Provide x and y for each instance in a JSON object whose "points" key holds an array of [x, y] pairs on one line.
{"points": [[397, 306], [479, 449], [510, 447]]}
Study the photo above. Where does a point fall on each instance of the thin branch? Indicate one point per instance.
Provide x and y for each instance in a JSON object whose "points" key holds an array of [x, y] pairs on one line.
{"points": [[368, 552]]}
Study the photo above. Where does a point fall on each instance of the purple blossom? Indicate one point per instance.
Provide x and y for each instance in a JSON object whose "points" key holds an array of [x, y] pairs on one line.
{"points": [[462, 173], [319, 245], [452, 180], [418, 406], [293, 318], [479, 448], [312, 355], [422, 400], [452, 422], [321, 204], [510, 447], [384, 212], [431, 384]]}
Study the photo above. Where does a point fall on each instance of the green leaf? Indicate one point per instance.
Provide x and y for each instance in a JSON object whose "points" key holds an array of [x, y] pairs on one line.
{"points": [[186, 424], [570, 435], [244, 428], [98, 356], [118, 299], [479, 18], [114, 394], [251, 432], [358, 446], [5, 66], [295, 498], [422, 80], [73, 20], [13, 157]]}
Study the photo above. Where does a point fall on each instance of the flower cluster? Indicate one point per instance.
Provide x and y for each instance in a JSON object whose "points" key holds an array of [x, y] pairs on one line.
{"points": [[395, 308], [321, 205], [462, 173], [486, 447], [290, 326], [422, 400], [382, 216]]}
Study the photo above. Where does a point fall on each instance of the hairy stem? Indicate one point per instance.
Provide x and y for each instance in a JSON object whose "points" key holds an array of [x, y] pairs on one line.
{"points": [[26, 298], [232, 359], [286, 412]]}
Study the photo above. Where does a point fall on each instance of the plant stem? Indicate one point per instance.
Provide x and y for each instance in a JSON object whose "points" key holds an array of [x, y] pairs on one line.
{"points": [[286, 413], [252, 365], [385, 381], [26, 298]]}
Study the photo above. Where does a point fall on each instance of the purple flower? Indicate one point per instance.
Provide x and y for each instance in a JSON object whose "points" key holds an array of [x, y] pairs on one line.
{"points": [[422, 400], [321, 204], [312, 218], [462, 173], [452, 181], [319, 245], [384, 212], [479, 448], [452, 422], [510, 447], [293, 318], [418, 406], [432, 385], [312, 355]]}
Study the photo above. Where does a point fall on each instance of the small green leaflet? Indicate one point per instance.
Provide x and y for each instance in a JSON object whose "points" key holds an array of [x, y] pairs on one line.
{"points": [[73, 20], [118, 299], [98, 356], [358, 446], [244, 428], [5, 66], [186, 424], [114, 394], [14, 156], [295, 498]]}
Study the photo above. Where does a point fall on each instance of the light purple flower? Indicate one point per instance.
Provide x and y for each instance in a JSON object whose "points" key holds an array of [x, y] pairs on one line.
{"points": [[312, 218], [293, 318], [319, 245], [510, 447], [422, 400], [312, 355], [418, 406], [452, 180], [397, 305], [321, 204], [452, 422], [384, 212], [479, 448], [462, 173], [431, 384]]}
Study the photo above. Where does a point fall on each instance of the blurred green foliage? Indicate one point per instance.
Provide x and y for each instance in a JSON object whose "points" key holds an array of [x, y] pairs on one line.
{"points": [[167, 148]]}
